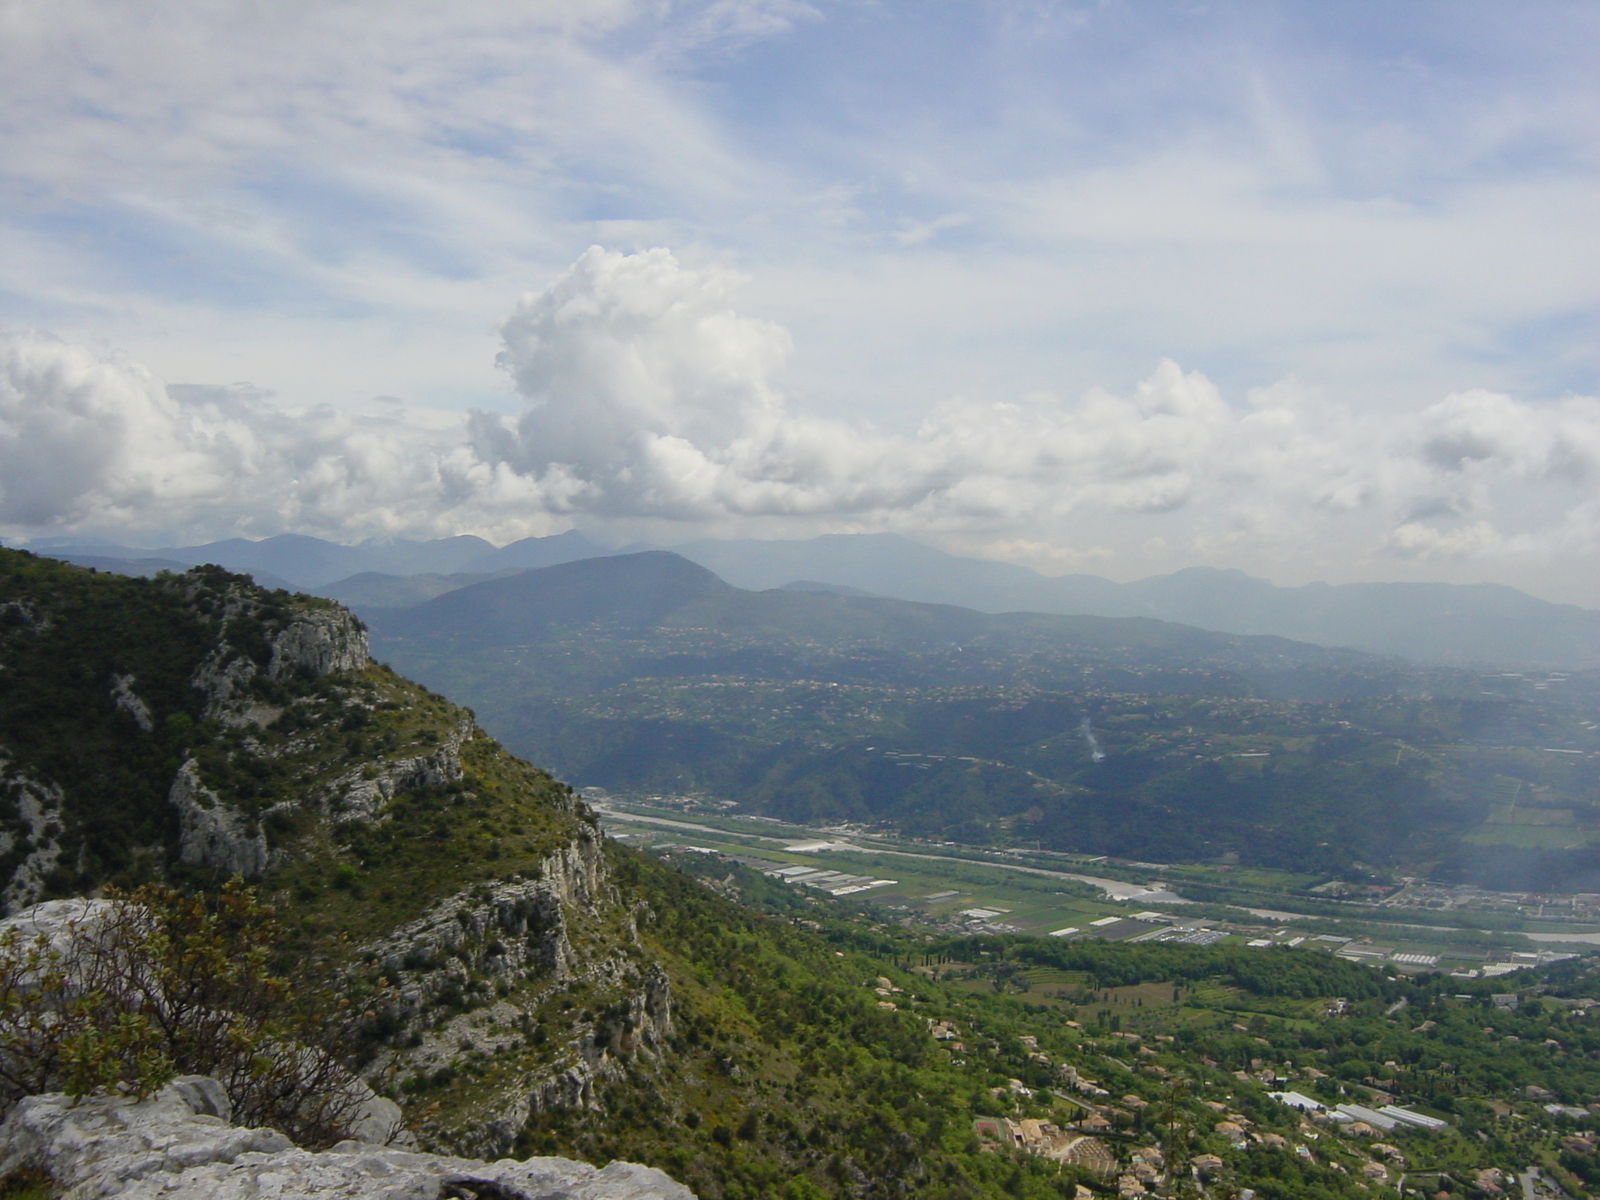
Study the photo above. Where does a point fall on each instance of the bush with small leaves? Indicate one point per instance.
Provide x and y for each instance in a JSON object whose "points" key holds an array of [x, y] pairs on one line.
{"points": [[153, 983]]}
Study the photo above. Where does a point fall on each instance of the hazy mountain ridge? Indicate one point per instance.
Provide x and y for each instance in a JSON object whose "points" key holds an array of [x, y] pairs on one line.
{"points": [[310, 562], [1431, 622], [1438, 622], [825, 635], [1127, 736]]}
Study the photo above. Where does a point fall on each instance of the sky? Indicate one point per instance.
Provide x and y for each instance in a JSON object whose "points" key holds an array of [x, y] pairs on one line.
{"points": [[1305, 289]]}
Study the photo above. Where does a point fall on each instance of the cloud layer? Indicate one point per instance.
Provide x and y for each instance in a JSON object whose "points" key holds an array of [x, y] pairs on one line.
{"points": [[334, 199], [650, 402]]}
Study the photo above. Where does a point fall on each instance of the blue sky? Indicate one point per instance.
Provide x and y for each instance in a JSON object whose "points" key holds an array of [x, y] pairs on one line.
{"points": [[927, 263]]}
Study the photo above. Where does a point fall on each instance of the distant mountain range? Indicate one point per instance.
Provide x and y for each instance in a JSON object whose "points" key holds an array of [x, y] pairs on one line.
{"points": [[1428, 622], [1119, 735], [659, 608], [310, 564]]}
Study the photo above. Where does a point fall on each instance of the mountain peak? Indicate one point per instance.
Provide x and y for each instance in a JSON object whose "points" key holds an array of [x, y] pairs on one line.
{"points": [[630, 590]]}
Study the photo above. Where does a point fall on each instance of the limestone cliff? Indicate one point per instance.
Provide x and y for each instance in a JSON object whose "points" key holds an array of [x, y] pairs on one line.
{"points": [[311, 641], [30, 841], [202, 727], [215, 835], [476, 976], [365, 792], [320, 641], [117, 698]]}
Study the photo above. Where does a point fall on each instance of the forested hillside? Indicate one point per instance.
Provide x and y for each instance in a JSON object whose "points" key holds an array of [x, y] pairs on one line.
{"points": [[1128, 737]]}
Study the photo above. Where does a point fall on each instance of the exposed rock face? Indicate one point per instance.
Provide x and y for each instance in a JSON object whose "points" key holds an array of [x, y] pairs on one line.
{"points": [[123, 695], [215, 834], [321, 641], [61, 924], [35, 826], [178, 1145], [506, 930], [221, 678], [639, 1023], [359, 799], [318, 641], [467, 948], [22, 613]]}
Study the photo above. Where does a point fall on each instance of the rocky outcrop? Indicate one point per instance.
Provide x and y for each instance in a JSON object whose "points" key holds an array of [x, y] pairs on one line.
{"points": [[34, 827], [222, 678], [471, 971], [124, 697], [21, 614], [639, 1022], [215, 834], [497, 932], [321, 641], [59, 926], [357, 797], [179, 1145]]}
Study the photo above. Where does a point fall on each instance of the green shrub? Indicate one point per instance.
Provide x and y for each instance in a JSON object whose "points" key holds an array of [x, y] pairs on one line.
{"points": [[157, 983]]}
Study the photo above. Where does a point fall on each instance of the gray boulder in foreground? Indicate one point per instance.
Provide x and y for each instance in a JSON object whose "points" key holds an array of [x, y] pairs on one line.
{"points": [[179, 1145]]}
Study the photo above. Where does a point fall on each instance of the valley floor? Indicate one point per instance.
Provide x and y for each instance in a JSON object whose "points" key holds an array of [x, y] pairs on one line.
{"points": [[954, 889]]}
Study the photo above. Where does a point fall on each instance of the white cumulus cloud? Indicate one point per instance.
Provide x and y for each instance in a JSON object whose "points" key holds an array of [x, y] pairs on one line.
{"points": [[98, 444], [649, 400]]}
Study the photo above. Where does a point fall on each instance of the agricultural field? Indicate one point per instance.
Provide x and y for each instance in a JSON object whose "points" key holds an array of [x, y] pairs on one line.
{"points": [[948, 889]]}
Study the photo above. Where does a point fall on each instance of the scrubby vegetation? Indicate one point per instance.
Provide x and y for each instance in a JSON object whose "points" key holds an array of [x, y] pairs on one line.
{"points": [[1176, 1034], [131, 990]]}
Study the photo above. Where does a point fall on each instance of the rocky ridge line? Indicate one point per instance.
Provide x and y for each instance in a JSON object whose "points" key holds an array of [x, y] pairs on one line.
{"points": [[474, 944]]}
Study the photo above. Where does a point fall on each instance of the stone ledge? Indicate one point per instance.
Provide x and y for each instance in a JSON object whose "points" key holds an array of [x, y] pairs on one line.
{"points": [[175, 1146]]}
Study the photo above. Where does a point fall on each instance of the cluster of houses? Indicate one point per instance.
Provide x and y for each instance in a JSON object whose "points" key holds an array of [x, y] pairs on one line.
{"points": [[1143, 1173], [1078, 1143]]}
